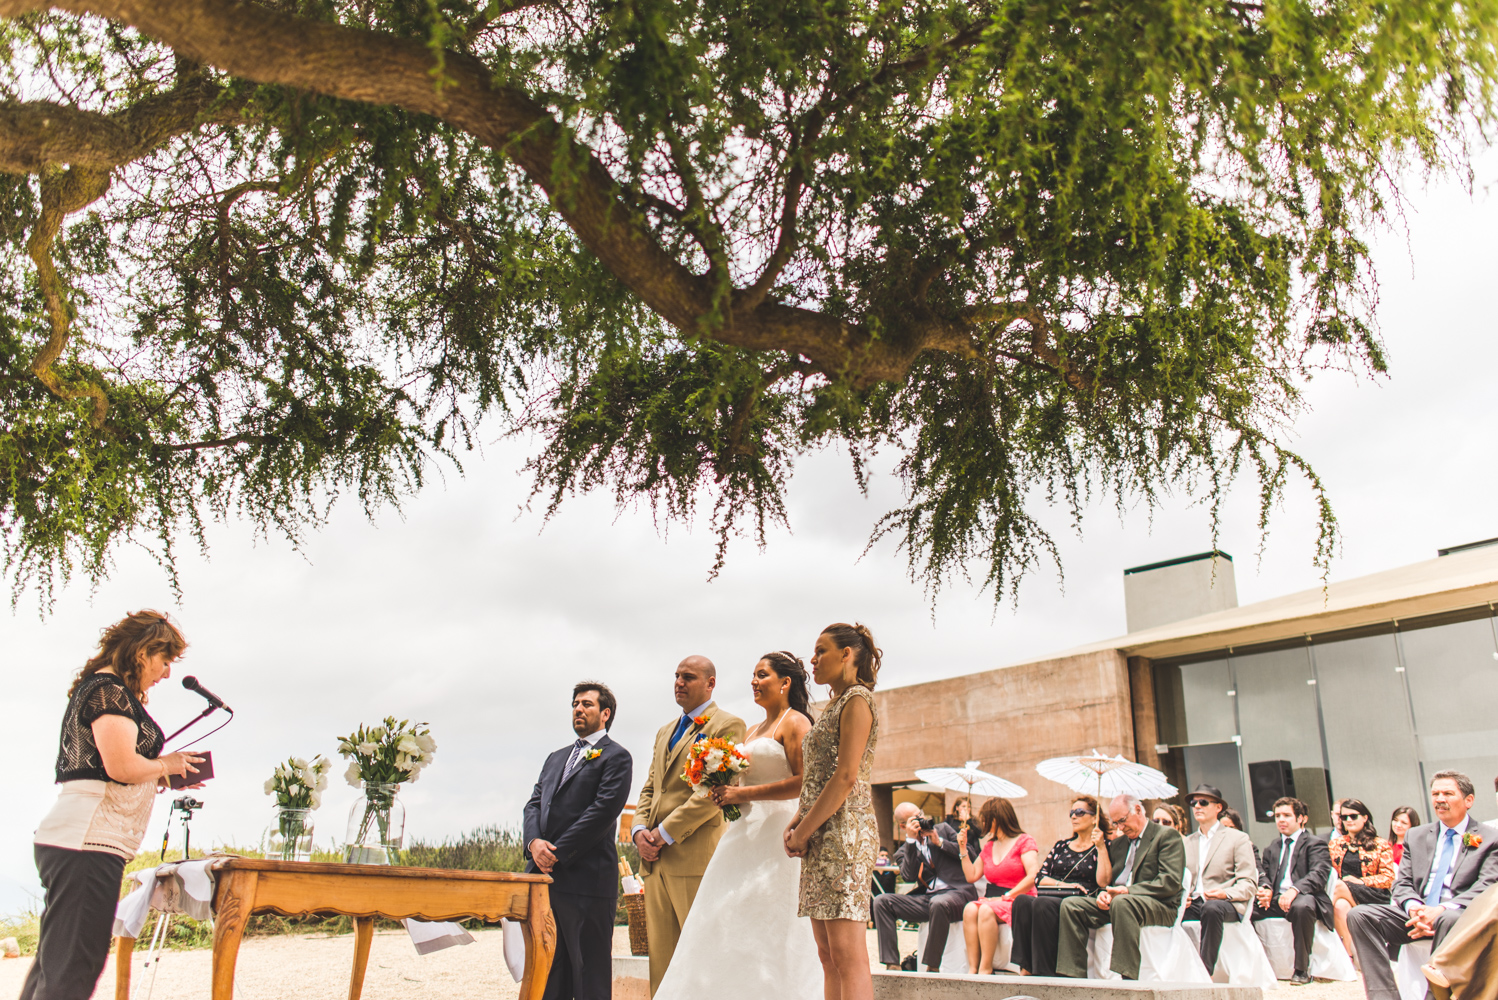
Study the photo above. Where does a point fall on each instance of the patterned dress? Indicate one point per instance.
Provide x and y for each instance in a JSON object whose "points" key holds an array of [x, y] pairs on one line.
{"points": [[837, 872]]}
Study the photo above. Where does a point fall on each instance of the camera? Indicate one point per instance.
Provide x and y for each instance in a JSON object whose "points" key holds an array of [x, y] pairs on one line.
{"points": [[186, 804], [927, 823]]}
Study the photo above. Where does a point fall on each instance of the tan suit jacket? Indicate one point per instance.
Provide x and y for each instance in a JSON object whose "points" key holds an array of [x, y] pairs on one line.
{"points": [[694, 823], [1229, 865]]}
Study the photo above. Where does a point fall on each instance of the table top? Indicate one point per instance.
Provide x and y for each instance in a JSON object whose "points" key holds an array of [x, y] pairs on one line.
{"points": [[378, 871]]}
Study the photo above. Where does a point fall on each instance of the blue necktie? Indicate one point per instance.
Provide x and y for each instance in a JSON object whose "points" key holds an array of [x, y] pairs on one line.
{"points": [[681, 727], [1443, 865]]}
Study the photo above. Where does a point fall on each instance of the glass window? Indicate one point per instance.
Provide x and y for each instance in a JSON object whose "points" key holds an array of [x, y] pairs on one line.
{"points": [[1203, 704], [1369, 743], [1453, 680], [1277, 710]]}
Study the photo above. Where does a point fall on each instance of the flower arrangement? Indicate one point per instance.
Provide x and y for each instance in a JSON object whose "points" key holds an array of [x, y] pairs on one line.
{"points": [[297, 784], [382, 758], [1470, 839], [388, 754], [713, 763]]}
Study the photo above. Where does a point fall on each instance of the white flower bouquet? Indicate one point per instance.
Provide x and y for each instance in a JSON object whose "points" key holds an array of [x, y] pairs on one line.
{"points": [[297, 785], [381, 759]]}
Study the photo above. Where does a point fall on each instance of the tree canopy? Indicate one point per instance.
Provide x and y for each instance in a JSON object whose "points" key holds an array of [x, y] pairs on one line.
{"points": [[260, 254]]}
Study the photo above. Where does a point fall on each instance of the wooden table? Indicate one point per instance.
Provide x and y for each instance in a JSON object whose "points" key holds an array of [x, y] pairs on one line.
{"points": [[248, 886]]}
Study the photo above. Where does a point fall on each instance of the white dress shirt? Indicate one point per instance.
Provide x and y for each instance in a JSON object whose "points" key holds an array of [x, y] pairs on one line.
{"points": [[1201, 857], [1289, 856], [1435, 859], [641, 826]]}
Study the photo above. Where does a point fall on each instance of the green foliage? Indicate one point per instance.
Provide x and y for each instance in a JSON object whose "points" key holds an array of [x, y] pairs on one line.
{"points": [[1099, 246], [25, 928]]}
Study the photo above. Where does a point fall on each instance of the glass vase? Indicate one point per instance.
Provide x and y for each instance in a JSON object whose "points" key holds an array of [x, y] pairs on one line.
{"points": [[290, 836], [376, 826]]}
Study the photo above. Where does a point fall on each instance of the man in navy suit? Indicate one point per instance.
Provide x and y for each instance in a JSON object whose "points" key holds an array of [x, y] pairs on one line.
{"points": [[571, 825]]}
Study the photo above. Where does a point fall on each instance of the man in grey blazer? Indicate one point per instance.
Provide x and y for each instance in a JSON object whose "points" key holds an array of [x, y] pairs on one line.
{"points": [[1446, 865]]}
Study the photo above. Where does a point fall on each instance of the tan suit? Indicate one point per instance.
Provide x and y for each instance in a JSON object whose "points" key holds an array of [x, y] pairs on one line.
{"points": [[694, 824], [1467, 957], [1229, 865]]}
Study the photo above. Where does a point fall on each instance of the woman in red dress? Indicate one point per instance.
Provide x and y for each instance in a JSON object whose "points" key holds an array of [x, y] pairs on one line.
{"points": [[1009, 860]]}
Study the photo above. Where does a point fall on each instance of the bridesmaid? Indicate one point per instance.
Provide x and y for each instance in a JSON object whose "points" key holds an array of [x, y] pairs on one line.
{"points": [[834, 831]]}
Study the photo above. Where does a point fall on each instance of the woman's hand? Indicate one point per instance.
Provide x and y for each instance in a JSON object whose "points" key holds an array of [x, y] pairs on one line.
{"points": [[795, 844], [1098, 838], [181, 762], [728, 795], [962, 840]]}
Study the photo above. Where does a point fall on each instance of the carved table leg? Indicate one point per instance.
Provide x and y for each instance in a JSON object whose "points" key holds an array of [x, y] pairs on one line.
{"points": [[540, 930], [234, 901], [363, 935], [123, 948]]}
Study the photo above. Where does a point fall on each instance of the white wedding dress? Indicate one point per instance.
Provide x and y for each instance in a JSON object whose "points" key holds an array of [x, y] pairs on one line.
{"points": [[742, 936]]}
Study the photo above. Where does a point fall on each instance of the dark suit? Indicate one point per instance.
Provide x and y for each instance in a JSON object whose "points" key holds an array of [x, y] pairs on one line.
{"points": [[1152, 901], [1378, 931], [581, 817], [1310, 863], [941, 907]]}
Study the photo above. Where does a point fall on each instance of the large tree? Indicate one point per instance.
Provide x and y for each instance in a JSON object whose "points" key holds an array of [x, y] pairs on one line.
{"points": [[260, 253]]}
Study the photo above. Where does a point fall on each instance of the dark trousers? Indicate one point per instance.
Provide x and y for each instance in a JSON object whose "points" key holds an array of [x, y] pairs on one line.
{"points": [[1036, 923], [1302, 917], [83, 889], [583, 968], [940, 909], [1211, 914], [1378, 932]]}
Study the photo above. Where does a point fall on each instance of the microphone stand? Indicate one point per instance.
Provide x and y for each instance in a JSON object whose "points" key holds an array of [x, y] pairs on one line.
{"points": [[201, 716]]}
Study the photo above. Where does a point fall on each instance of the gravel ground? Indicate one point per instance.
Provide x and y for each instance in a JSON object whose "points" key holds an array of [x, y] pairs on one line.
{"points": [[317, 968]]}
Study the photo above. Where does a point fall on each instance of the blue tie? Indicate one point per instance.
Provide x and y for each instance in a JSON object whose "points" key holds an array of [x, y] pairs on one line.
{"points": [[681, 727], [1443, 865]]}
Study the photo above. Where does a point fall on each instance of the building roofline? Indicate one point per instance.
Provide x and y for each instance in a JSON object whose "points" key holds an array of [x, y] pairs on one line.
{"points": [[1180, 560]]}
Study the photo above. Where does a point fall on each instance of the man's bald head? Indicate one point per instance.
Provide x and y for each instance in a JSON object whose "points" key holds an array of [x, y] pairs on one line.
{"points": [[695, 679], [903, 812]]}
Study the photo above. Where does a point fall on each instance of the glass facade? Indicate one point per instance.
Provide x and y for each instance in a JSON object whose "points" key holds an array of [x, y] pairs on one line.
{"points": [[1368, 716]]}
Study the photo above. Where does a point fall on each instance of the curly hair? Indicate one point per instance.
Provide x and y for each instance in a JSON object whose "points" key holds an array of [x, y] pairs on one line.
{"points": [[125, 645]]}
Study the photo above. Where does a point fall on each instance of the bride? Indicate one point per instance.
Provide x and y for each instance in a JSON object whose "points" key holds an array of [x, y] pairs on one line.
{"points": [[743, 922]]}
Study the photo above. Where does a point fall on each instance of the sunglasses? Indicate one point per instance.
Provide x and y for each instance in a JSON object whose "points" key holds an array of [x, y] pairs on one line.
{"points": [[1166, 822], [1082, 812], [1349, 817], [1201, 802]]}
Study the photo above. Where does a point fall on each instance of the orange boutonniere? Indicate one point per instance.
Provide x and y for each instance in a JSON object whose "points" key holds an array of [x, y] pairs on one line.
{"points": [[701, 720], [1471, 840]]}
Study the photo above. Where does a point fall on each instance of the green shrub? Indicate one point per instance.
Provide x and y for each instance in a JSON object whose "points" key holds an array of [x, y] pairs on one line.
{"points": [[24, 927]]}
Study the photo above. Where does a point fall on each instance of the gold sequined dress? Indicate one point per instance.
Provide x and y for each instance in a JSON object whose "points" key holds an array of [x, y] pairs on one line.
{"points": [[837, 872]]}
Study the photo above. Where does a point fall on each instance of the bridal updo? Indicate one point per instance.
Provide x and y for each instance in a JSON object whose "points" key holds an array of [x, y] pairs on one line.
{"points": [[792, 668], [866, 655]]}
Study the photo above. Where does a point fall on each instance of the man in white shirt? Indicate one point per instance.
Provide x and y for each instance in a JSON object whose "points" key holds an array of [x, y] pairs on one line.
{"points": [[1446, 866], [1293, 872], [1223, 874]]}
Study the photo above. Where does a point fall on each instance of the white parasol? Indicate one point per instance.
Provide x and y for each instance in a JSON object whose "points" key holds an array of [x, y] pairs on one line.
{"points": [[1107, 776], [971, 780]]}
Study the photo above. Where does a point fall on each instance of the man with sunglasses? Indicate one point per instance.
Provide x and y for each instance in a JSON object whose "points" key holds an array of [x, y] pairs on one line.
{"points": [[1292, 882], [1223, 874]]}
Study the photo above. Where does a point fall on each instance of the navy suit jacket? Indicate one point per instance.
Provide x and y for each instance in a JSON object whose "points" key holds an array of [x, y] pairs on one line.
{"points": [[581, 817]]}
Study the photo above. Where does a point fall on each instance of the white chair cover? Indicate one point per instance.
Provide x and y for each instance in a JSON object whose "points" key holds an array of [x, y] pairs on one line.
{"points": [[954, 957], [1241, 960], [1407, 975], [1166, 954], [1329, 960]]}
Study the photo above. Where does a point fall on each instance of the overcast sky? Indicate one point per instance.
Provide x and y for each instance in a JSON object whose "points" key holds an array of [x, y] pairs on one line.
{"points": [[463, 612]]}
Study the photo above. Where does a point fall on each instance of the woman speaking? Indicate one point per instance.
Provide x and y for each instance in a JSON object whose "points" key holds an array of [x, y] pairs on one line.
{"points": [[110, 765]]}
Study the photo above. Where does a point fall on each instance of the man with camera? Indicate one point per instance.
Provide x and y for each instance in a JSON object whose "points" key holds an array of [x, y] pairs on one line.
{"points": [[929, 858]]}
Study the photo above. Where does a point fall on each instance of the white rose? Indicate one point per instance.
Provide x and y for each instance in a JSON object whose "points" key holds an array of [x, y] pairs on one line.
{"points": [[425, 741], [322, 782], [316, 800], [300, 763], [270, 786], [407, 745], [367, 749], [352, 775]]}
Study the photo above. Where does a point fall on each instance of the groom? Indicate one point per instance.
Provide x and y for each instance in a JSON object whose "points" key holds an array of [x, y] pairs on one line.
{"points": [[570, 826], [675, 830]]}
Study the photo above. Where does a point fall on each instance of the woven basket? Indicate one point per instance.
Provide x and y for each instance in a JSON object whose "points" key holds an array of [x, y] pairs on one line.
{"points": [[634, 907]]}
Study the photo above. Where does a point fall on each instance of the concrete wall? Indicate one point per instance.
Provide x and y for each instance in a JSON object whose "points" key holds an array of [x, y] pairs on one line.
{"points": [[1009, 720], [1173, 592]]}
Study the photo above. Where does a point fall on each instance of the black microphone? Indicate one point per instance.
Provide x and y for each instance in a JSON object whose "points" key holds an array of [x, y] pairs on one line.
{"points": [[191, 683]]}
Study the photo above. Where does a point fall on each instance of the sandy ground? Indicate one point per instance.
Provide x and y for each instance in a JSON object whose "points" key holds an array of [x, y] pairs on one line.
{"points": [[317, 968]]}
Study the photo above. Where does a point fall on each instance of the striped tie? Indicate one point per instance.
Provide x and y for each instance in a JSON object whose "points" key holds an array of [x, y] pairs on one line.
{"points": [[572, 762]]}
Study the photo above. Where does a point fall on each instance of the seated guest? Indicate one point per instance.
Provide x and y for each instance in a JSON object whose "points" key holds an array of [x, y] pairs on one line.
{"points": [[1364, 864], [1337, 830], [882, 861], [1171, 815], [1404, 819], [1446, 866], [962, 816], [1145, 891], [1009, 859], [1231, 818], [1292, 882], [1223, 874], [929, 858], [1465, 967], [1075, 867]]}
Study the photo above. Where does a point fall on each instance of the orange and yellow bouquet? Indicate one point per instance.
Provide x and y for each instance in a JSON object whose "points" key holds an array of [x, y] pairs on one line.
{"points": [[712, 764]]}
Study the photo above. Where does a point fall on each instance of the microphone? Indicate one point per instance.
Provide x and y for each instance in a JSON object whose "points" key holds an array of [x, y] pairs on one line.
{"points": [[191, 683]]}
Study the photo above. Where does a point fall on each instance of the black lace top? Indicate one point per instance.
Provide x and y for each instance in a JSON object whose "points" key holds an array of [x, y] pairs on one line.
{"points": [[1066, 865], [101, 694]]}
